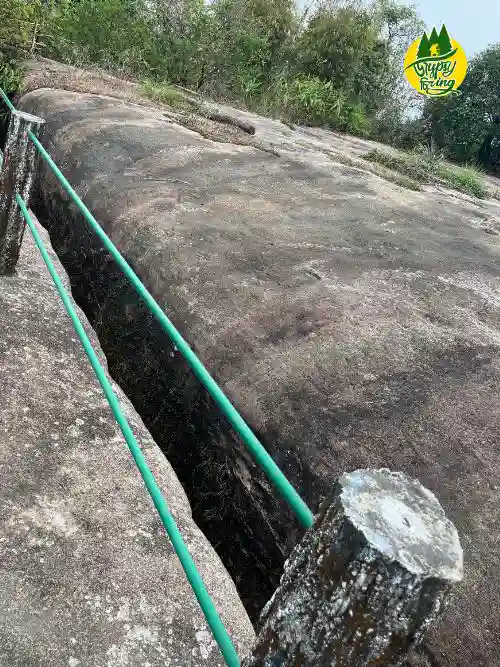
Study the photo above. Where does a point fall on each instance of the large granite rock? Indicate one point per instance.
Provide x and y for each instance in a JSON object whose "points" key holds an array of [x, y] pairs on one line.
{"points": [[354, 323], [88, 576]]}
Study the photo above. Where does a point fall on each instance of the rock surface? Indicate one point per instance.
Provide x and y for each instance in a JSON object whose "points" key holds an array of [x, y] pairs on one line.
{"points": [[354, 323], [87, 574]]}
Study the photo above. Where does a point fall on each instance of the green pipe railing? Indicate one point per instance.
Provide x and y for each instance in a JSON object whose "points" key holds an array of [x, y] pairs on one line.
{"points": [[262, 457], [217, 627], [8, 103], [255, 447]]}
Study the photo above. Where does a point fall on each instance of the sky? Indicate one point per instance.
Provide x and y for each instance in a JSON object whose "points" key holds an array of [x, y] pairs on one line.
{"points": [[474, 24]]}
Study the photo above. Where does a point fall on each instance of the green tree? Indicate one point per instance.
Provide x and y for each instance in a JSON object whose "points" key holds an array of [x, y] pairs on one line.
{"points": [[462, 123], [111, 33], [247, 45], [180, 40], [397, 26], [334, 43], [18, 25]]}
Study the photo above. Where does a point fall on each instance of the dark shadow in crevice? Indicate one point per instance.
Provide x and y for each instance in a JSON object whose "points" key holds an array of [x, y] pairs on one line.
{"points": [[250, 528]]}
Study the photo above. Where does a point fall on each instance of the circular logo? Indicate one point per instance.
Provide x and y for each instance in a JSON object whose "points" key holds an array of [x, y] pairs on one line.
{"points": [[435, 65]]}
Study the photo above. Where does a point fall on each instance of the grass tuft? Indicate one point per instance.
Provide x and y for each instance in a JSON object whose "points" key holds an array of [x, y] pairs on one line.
{"points": [[465, 179], [426, 166], [164, 93]]}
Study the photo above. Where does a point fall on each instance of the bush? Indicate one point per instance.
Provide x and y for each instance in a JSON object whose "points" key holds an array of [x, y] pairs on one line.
{"points": [[330, 69], [10, 75], [308, 99], [355, 120], [17, 26], [109, 33]]}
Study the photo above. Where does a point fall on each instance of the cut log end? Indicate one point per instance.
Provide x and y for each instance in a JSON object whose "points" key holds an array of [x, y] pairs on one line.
{"points": [[366, 580], [403, 521]]}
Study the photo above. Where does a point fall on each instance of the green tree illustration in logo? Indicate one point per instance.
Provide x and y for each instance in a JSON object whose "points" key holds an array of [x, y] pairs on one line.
{"points": [[434, 45], [444, 42], [424, 48]]}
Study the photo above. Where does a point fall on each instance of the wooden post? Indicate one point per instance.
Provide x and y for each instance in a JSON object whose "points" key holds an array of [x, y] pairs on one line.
{"points": [[366, 580], [16, 177]]}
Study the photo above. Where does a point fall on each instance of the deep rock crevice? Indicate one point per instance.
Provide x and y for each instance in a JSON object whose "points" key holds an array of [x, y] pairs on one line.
{"points": [[4, 122], [231, 500]]}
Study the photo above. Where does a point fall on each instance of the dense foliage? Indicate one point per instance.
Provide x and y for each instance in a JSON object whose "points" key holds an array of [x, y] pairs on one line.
{"points": [[467, 126], [336, 63], [18, 21]]}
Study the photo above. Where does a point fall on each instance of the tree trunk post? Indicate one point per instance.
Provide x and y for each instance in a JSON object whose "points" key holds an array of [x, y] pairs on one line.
{"points": [[16, 178], [366, 580]]}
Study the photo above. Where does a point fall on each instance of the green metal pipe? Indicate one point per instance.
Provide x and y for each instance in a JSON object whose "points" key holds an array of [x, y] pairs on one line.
{"points": [[218, 630], [8, 103], [260, 454]]}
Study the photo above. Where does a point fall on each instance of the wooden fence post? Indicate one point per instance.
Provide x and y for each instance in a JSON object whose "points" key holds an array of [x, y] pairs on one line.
{"points": [[366, 581], [16, 177]]}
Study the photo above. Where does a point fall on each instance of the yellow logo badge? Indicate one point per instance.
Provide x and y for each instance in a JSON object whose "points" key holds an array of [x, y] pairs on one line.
{"points": [[435, 65]]}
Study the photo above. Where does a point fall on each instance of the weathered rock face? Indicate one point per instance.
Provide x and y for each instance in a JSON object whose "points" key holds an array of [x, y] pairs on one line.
{"points": [[353, 323], [87, 574]]}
